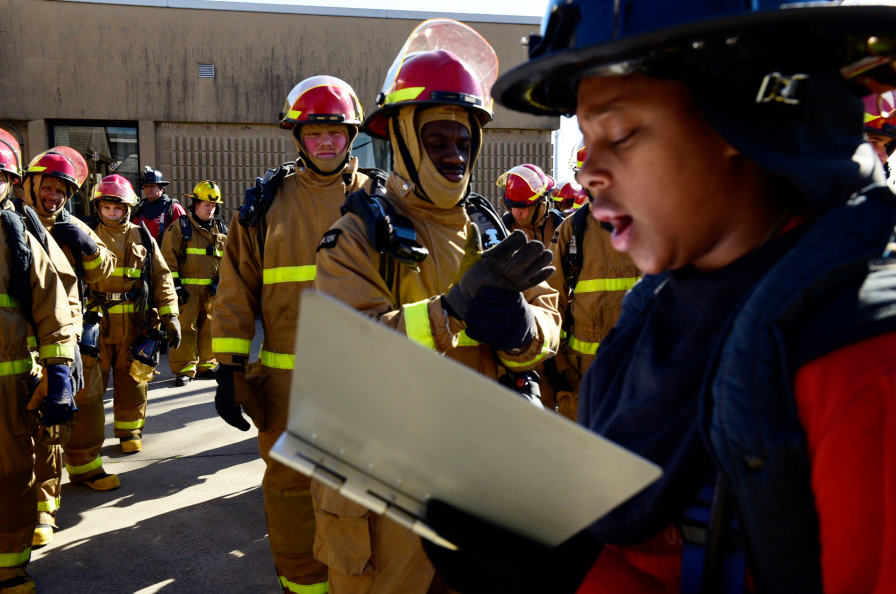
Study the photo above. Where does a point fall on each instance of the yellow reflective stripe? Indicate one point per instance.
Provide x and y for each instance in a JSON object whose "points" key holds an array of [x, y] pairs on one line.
{"points": [[191, 367], [120, 308], [49, 506], [128, 272], [92, 465], [15, 367], [93, 262], [57, 350], [196, 281], [293, 114], [513, 365], [465, 341], [175, 274], [203, 252], [129, 424], [168, 310], [7, 301], [319, 588], [289, 274], [15, 559], [277, 360], [240, 346], [416, 324], [32, 341], [408, 94], [583, 346], [605, 284]]}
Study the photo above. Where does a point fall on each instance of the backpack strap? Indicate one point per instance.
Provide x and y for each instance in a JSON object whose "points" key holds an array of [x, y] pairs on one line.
{"points": [[258, 199], [21, 259], [186, 231], [572, 262]]}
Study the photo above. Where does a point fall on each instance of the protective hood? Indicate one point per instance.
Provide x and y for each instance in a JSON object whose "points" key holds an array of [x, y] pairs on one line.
{"points": [[412, 162]]}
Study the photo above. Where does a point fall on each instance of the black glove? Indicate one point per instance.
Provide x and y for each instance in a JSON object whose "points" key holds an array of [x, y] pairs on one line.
{"points": [[225, 396], [492, 559], [74, 237], [172, 329], [515, 264], [501, 319], [182, 294], [59, 404]]}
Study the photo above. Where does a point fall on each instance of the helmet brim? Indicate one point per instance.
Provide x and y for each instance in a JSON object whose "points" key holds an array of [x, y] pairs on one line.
{"points": [[547, 85]]}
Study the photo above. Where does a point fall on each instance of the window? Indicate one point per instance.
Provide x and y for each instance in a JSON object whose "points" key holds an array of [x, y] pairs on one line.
{"points": [[108, 147], [372, 152]]}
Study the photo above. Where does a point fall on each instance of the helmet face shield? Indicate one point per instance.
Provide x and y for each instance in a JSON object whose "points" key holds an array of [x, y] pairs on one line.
{"points": [[10, 155], [63, 162], [443, 62], [524, 186]]}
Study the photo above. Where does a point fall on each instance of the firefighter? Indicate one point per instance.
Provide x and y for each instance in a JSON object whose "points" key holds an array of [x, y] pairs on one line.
{"points": [[268, 260], [880, 125], [49, 182], [568, 197], [33, 301], [591, 279], [193, 247], [753, 361], [157, 210], [141, 281], [491, 316], [526, 191]]}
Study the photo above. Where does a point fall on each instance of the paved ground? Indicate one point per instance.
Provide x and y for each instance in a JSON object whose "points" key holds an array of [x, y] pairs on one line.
{"points": [[187, 518]]}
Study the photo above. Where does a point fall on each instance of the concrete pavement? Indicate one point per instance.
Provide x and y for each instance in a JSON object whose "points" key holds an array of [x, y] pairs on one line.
{"points": [[188, 516]]}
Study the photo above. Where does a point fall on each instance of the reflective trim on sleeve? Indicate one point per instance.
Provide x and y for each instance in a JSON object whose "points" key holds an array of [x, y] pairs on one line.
{"points": [[50, 505], [15, 367], [128, 272], [514, 365], [416, 324], [175, 274], [94, 262], [583, 346], [465, 341], [276, 360], [203, 252], [289, 274], [92, 465], [15, 559], [7, 301], [31, 341], [168, 310], [240, 346], [319, 588], [605, 284], [196, 281], [129, 424], [57, 350]]}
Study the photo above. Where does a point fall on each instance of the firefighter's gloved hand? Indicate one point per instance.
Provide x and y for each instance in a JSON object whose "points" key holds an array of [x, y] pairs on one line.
{"points": [[515, 264], [58, 405], [492, 559], [74, 237], [182, 294], [500, 318], [172, 329], [225, 396]]}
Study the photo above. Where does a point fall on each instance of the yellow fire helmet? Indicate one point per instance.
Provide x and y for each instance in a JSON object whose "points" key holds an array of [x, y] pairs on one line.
{"points": [[208, 191]]}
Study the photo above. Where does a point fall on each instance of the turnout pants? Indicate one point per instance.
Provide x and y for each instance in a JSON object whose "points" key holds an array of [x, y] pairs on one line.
{"points": [[194, 353], [18, 501], [129, 396], [287, 499], [82, 450]]}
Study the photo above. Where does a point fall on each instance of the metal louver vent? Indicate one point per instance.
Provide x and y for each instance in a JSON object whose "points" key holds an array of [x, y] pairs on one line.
{"points": [[206, 70]]}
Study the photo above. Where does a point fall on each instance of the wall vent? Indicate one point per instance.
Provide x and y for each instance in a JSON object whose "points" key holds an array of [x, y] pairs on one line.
{"points": [[206, 70]]}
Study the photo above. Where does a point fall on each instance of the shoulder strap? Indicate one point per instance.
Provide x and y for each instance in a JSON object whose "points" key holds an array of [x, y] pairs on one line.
{"points": [[186, 232], [221, 225], [389, 232], [572, 263], [258, 200], [20, 263], [32, 222]]}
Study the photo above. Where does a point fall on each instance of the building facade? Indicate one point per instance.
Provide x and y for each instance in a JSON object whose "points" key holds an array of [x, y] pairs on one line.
{"points": [[195, 90]]}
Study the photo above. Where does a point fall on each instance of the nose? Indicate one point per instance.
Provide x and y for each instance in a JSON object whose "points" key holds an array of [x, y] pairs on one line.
{"points": [[592, 176]]}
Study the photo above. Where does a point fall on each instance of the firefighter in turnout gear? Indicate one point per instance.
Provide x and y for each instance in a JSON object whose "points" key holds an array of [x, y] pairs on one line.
{"points": [[50, 180], [269, 258], [526, 195], [568, 197], [141, 280], [591, 278], [415, 277], [157, 210], [34, 305], [192, 248]]}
